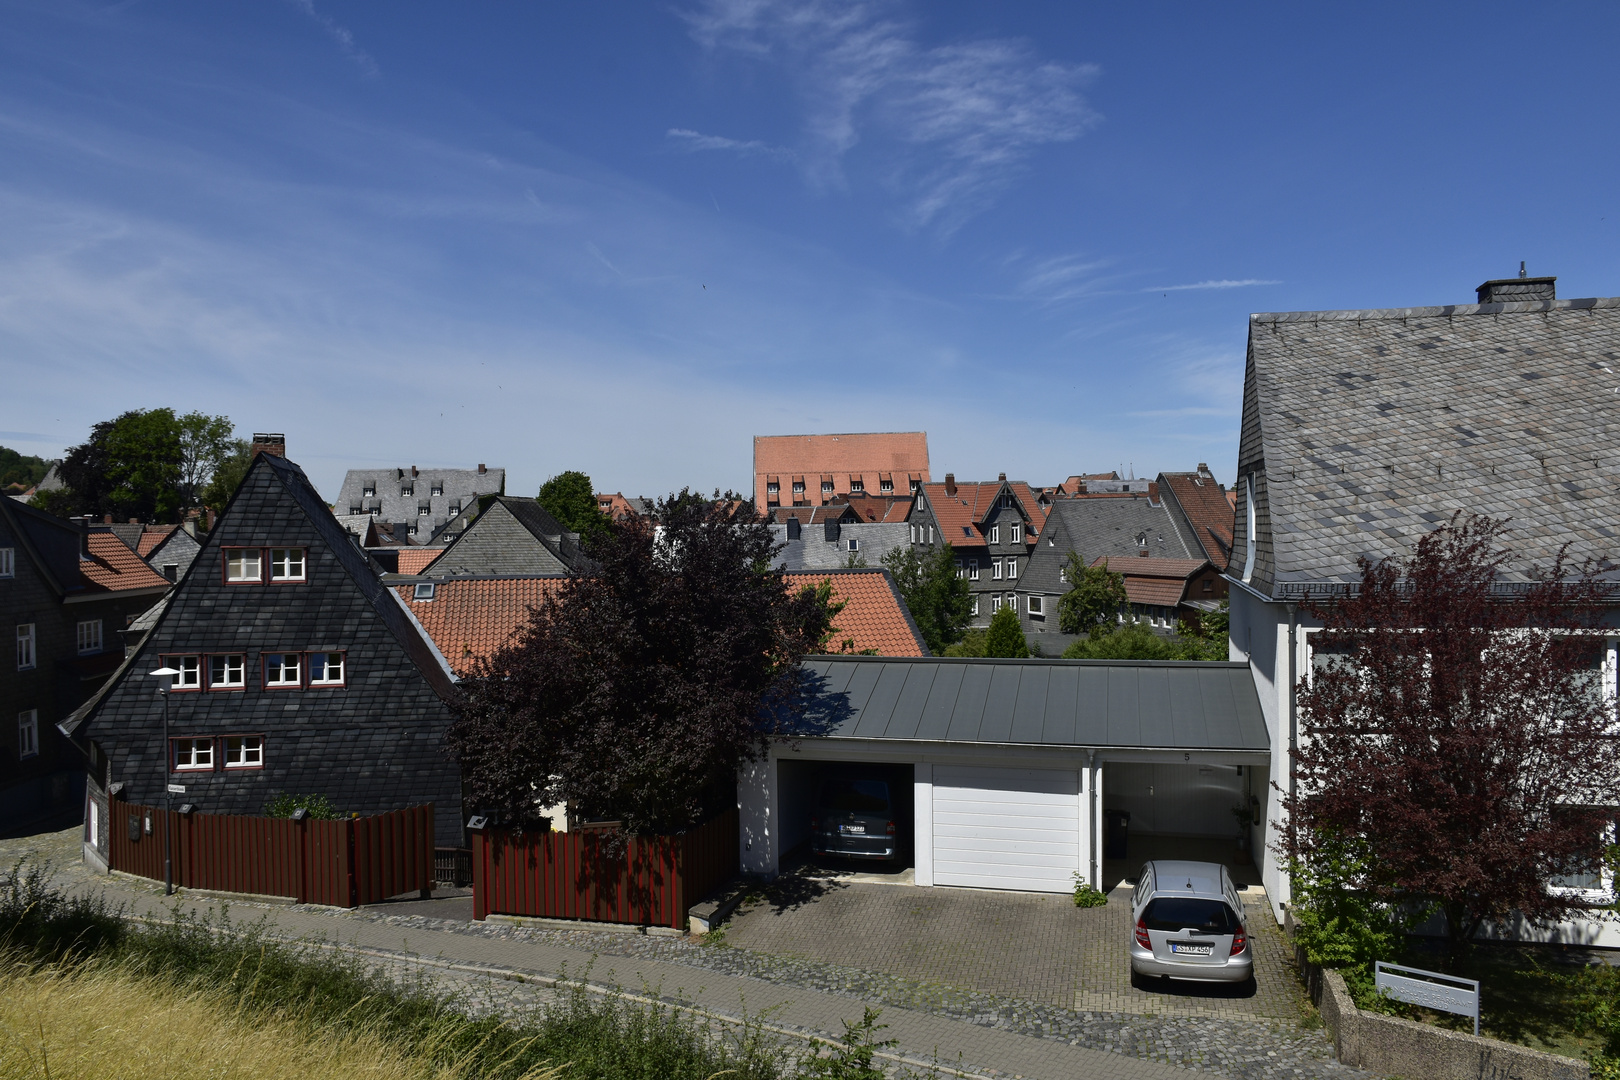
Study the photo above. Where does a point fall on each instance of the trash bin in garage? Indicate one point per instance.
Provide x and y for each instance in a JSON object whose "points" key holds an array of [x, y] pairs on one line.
{"points": [[1116, 824]]}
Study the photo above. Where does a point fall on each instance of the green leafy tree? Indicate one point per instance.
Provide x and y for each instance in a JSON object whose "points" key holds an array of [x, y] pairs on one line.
{"points": [[571, 499], [1135, 640], [1005, 637], [227, 476], [972, 644], [129, 467], [24, 470], [1094, 599], [205, 445], [937, 595]]}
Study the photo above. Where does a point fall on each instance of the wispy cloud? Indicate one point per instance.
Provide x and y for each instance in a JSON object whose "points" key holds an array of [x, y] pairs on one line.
{"points": [[953, 125], [693, 142], [341, 35], [1062, 277], [1223, 283]]}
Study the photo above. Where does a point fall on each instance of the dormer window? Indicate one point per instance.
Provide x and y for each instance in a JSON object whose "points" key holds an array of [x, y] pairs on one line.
{"points": [[798, 487], [369, 491], [773, 488], [885, 487], [826, 487], [856, 487], [424, 509], [916, 485], [407, 487], [437, 489]]}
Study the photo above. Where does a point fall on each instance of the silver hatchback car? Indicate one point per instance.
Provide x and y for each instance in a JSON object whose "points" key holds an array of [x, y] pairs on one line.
{"points": [[1189, 924]]}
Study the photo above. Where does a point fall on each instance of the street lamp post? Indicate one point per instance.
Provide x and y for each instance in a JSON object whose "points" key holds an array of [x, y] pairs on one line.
{"points": [[165, 676]]}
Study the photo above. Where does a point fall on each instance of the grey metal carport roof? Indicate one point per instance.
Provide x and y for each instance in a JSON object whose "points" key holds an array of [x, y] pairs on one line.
{"points": [[1137, 704]]}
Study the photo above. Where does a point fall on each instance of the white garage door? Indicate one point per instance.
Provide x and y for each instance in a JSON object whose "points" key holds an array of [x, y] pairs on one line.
{"points": [[1006, 828]]}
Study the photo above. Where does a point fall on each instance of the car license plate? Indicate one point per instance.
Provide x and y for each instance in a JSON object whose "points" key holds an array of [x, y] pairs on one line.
{"points": [[1192, 950], [858, 830]]}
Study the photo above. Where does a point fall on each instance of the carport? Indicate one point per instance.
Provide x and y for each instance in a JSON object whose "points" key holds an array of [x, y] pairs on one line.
{"points": [[1011, 760]]}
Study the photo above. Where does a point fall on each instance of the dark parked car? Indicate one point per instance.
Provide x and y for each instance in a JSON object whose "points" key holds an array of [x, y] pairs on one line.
{"points": [[854, 817]]}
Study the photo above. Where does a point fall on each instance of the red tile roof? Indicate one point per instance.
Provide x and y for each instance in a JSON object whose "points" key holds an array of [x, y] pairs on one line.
{"points": [[616, 506], [880, 508], [416, 560], [870, 457], [151, 537], [113, 567], [472, 618], [1155, 582], [874, 616], [1208, 509], [959, 514]]}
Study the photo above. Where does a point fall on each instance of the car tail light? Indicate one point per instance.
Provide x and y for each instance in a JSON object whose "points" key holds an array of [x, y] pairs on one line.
{"points": [[890, 829], [1239, 940], [1142, 938]]}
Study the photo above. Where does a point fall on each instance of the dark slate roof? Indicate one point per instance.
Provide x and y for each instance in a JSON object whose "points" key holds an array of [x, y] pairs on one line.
{"points": [[461, 486], [1375, 426], [524, 540], [1139, 704], [1104, 528]]}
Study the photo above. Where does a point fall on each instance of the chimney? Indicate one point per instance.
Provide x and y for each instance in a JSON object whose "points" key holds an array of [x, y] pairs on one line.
{"points": [[134, 521], [481, 469], [1203, 469], [793, 528], [1153, 493], [1002, 477], [84, 535], [413, 472], [1143, 552], [1519, 290], [950, 484], [268, 442], [830, 529], [190, 525]]}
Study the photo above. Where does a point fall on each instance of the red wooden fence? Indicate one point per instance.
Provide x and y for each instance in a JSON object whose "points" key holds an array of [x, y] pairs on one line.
{"points": [[569, 875], [343, 863]]}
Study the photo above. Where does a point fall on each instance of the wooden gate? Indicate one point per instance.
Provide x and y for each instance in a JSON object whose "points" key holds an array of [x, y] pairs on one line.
{"points": [[571, 876], [342, 863]]}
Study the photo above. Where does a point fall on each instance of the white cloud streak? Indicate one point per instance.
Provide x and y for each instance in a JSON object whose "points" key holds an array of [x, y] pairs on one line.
{"points": [[693, 142], [950, 126], [341, 35], [1223, 283]]}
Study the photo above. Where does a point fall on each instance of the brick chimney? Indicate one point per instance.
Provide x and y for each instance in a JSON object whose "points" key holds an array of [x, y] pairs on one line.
{"points": [[268, 442], [1002, 477], [1518, 290], [1153, 493], [481, 469], [950, 484]]}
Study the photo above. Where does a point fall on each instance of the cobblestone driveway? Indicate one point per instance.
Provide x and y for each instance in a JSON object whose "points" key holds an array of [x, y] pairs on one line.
{"points": [[1038, 947]]}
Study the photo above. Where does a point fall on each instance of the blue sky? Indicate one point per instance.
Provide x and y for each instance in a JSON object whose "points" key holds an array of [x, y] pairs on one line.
{"points": [[626, 238]]}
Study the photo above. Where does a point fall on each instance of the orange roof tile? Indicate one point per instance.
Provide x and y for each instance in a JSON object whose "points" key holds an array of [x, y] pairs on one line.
{"points": [[151, 537], [113, 567], [958, 514], [880, 508], [1156, 582], [1209, 511], [869, 457], [874, 616], [416, 560], [472, 618]]}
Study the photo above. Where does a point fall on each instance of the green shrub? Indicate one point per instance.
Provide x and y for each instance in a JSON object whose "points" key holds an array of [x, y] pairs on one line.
{"points": [[282, 805], [852, 1058], [1087, 896]]}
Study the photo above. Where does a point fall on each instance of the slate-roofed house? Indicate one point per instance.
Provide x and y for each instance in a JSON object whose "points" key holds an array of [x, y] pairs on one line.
{"points": [[1204, 503], [421, 502], [300, 672], [991, 527], [170, 552], [1364, 430], [511, 536], [808, 470], [854, 529], [66, 593]]}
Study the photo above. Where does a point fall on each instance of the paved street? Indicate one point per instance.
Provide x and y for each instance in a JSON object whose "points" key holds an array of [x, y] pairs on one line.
{"points": [[992, 1034]]}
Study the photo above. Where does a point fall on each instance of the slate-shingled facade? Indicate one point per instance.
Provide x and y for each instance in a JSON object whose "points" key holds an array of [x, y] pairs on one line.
{"points": [[422, 501], [1364, 430], [370, 740]]}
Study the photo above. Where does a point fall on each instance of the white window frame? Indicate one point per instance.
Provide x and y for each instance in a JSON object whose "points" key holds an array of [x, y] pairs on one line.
{"points": [[322, 675], [854, 544], [190, 669], [1012, 602], [995, 534], [282, 567], [995, 569], [1012, 568], [975, 607], [237, 564], [280, 681], [28, 733], [436, 489], [857, 486], [197, 756], [423, 591], [973, 568], [227, 669], [8, 562], [1606, 881], [27, 647], [1248, 538], [368, 491], [885, 487], [247, 750], [995, 603], [1037, 605], [961, 570], [87, 637]]}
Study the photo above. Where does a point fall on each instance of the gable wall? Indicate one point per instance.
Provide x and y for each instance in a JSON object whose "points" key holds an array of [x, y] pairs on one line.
{"points": [[374, 745], [497, 543]]}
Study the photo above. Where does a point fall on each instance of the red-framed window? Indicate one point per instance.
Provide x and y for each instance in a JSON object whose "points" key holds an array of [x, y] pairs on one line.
{"points": [[243, 565], [283, 671], [190, 669], [327, 669], [242, 752], [190, 753], [227, 671], [287, 565]]}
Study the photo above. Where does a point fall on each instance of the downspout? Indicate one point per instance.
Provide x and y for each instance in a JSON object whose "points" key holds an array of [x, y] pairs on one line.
{"points": [[1293, 718]]}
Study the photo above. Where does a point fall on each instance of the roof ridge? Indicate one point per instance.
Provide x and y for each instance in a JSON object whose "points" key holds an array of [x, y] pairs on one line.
{"points": [[1363, 314]]}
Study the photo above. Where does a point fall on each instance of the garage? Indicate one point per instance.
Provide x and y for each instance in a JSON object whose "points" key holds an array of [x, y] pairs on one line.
{"points": [[1000, 828], [1007, 759]]}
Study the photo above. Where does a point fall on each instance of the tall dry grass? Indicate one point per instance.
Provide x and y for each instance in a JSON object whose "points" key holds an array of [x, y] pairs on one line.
{"points": [[100, 1023]]}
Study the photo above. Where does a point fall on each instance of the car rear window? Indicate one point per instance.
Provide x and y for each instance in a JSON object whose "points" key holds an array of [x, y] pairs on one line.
{"points": [[857, 796], [1190, 913]]}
